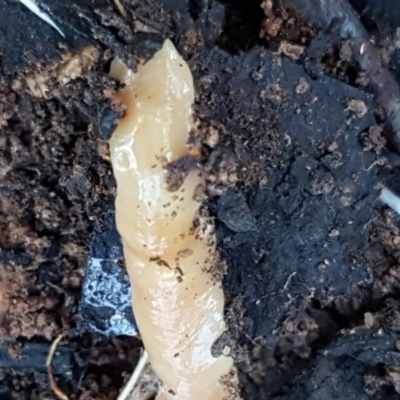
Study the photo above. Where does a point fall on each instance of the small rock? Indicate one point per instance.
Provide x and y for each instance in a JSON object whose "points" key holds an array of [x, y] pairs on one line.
{"points": [[369, 320], [302, 86], [226, 350], [233, 211]]}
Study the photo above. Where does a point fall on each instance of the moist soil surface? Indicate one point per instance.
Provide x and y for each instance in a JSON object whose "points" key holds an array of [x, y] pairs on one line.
{"points": [[294, 154]]}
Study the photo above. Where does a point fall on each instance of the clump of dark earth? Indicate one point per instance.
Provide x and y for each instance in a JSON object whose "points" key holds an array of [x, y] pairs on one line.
{"points": [[341, 30], [234, 212], [312, 288]]}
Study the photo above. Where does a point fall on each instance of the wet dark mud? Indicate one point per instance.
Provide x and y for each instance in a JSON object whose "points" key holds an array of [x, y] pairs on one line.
{"points": [[294, 152]]}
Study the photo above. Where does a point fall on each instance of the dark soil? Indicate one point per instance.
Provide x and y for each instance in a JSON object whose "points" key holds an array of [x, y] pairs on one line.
{"points": [[294, 156]]}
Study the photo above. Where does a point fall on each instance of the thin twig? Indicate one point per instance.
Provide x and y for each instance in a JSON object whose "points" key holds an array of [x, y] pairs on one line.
{"points": [[135, 376], [53, 385], [121, 8]]}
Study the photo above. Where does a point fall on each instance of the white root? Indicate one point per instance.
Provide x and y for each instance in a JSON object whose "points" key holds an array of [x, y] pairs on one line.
{"points": [[34, 7], [133, 380], [390, 199]]}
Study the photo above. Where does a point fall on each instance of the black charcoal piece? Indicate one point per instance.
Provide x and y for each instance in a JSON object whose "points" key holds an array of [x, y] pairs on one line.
{"points": [[32, 355], [108, 123]]}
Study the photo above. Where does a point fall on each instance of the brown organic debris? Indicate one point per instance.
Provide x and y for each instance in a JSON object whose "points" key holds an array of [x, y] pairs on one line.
{"points": [[70, 67], [293, 51], [358, 107]]}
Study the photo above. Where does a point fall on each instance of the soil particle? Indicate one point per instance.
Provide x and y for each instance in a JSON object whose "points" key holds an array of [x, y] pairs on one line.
{"points": [[178, 171], [233, 211], [230, 386]]}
